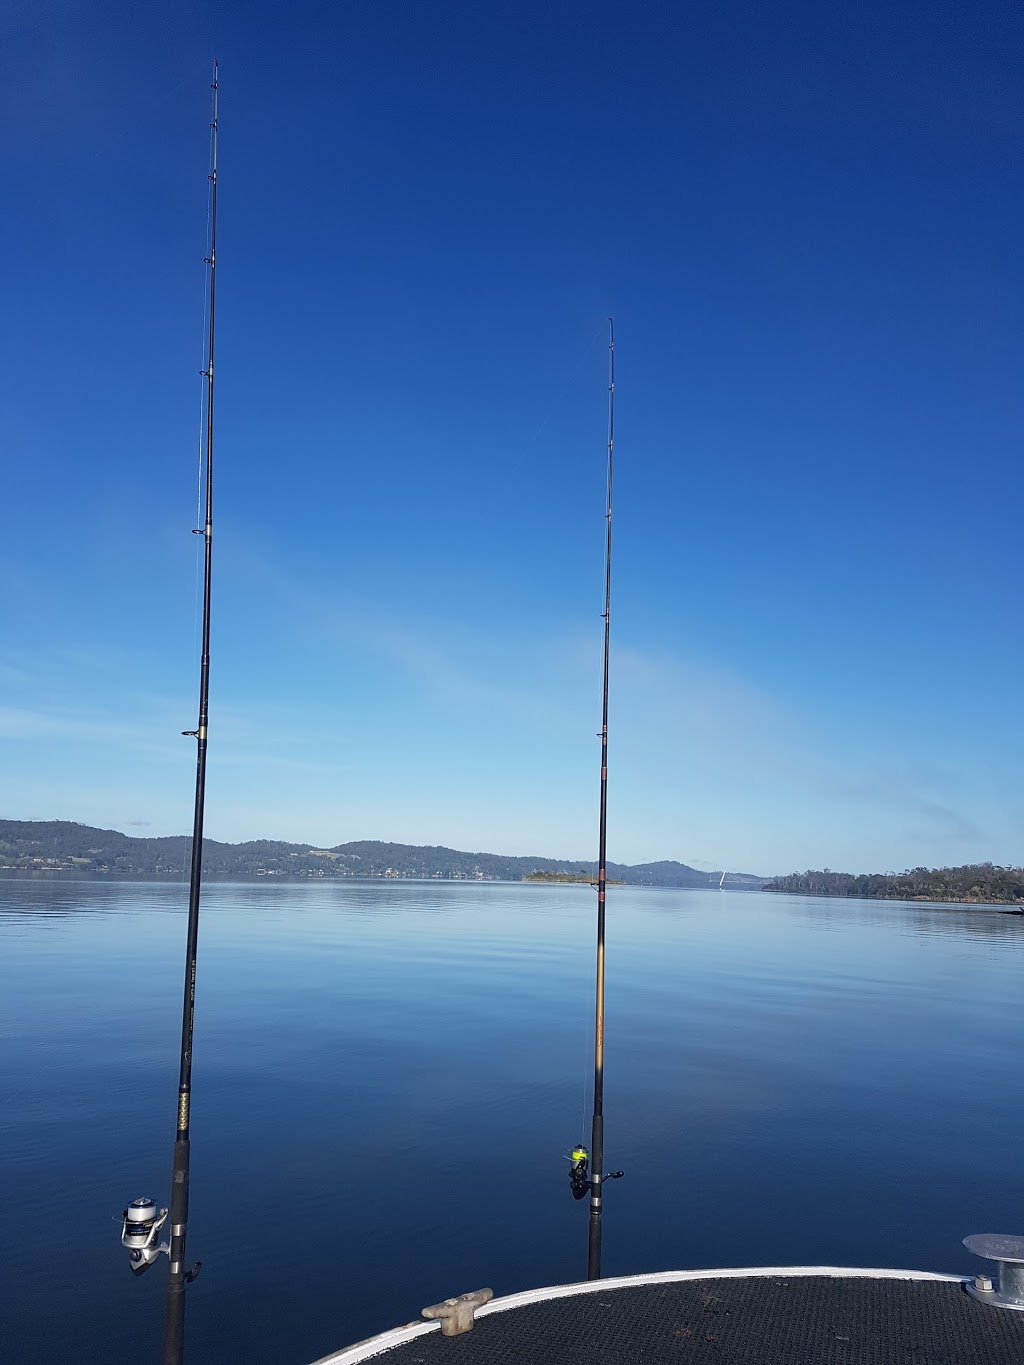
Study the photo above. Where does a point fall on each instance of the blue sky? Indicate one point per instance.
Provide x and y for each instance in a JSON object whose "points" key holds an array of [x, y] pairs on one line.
{"points": [[804, 218]]}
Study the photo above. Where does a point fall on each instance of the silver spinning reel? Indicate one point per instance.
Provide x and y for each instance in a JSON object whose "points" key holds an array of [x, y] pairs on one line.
{"points": [[142, 1224]]}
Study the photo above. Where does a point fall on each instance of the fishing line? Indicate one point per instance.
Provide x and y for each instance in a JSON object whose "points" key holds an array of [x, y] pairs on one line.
{"points": [[199, 509], [517, 460], [598, 1175], [179, 1277], [201, 425], [588, 1062], [142, 1219], [587, 1051], [586, 1171], [111, 142]]}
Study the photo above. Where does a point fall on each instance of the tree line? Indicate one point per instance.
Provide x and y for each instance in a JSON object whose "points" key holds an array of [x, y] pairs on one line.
{"points": [[985, 883]]}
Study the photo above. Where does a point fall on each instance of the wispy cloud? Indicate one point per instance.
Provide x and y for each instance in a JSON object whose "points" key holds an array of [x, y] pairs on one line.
{"points": [[753, 780], [466, 669], [706, 758], [923, 793], [463, 672], [708, 766], [24, 724], [14, 674]]}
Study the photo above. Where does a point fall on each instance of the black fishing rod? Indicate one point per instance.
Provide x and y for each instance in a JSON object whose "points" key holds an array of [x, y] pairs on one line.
{"points": [[580, 1156], [141, 1220]]}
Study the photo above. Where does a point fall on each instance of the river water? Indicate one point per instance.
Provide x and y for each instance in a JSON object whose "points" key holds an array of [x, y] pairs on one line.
{"points": [[388, 1076]]}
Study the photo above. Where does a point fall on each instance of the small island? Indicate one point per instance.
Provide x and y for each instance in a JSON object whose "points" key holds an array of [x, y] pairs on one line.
{"points": [[586, 878]]}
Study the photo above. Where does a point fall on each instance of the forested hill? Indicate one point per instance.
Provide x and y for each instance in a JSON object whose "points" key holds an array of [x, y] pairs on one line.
{"points": [[983, 883], [42, 845]]}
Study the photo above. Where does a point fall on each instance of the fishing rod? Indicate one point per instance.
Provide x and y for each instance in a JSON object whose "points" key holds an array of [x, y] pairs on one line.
{"points": [[586, 1169], [142, 1222]]}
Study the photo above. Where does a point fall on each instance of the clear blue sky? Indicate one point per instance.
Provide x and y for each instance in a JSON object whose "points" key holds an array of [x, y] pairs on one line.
{"points": [[805, 219]]}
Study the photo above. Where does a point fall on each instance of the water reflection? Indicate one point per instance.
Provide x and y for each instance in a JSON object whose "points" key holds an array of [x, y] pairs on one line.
{"points": [[915, 917], [819, 1076]]}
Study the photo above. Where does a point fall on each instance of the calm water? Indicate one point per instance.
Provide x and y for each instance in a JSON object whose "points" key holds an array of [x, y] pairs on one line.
{"points": [[388, 1075]]}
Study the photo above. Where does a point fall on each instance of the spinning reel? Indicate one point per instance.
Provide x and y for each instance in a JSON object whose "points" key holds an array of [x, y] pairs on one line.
{"points": [[139, 1234], [579, 1172]]}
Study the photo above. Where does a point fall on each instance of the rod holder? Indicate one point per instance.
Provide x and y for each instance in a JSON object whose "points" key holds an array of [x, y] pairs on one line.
{"points": [[1008, 1254]]}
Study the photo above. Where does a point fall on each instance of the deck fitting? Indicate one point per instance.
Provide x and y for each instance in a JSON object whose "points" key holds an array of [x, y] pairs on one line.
{"points": [[457, 1315], [1008, 1254]]}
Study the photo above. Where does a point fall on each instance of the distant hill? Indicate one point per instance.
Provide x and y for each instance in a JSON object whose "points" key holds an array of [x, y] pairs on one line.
{"points": [[52, 845]]}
